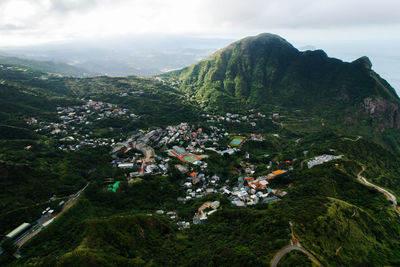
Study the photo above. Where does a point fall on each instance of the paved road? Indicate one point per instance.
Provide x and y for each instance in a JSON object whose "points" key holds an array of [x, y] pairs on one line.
{"points": [[66, 207], [288, 249], [388, 195], [354, 140], [36, 204]]}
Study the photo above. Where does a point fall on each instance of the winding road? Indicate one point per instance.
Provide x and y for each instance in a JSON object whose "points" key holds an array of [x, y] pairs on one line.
{"points": [[291, 247], [388, 195], [362, 180], [288, 249], [353, 140]]}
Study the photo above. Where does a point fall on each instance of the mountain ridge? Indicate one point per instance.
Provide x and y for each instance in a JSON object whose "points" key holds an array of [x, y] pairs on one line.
{"points": [[46, 66], [263, 64]]}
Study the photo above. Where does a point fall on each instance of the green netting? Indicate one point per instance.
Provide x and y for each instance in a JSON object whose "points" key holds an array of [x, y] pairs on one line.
{"points": [[114, 187], [236, 141]]}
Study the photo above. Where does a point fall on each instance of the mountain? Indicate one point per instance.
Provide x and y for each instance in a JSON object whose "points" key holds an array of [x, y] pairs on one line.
{"points": [[267, 73], [46, 66]]}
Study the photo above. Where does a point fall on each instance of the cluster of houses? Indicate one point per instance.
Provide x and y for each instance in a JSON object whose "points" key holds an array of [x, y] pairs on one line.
{"points": [[322, 159], [199, 185], [16, 68], [91, 111], [188, 144], [138, 92], [250, 191], [251, 118], [73, 128], [184, 142]]}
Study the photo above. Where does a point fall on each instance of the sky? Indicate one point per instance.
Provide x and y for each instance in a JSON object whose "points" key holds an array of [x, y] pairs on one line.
{"points": [[25, 22], [344, 28]]}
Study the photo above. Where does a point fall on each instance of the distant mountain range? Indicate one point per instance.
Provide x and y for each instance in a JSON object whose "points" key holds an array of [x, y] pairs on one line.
{"points": [[47, 66], [143, 55]]}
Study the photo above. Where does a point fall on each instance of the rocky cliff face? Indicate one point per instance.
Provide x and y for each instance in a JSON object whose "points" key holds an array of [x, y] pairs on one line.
{"points": [[378, 108]]}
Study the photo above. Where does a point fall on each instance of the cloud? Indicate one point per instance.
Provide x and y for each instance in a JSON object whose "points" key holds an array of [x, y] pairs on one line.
{"points": [[66, 19], [10, 27], [301, 13], [67, 6]]}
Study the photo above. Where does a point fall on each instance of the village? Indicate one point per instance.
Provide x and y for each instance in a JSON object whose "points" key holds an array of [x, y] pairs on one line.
{"points": [[189, 145], [184, 147], [73, 127]]}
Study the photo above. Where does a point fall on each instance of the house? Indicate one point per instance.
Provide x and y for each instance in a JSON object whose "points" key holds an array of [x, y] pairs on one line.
{"points": [[276, 173], [199, 220], [238, 203], [125, 165], [210, 190], [249, 179], [215, 205], [187, 185], [195, 178], [181, 168]]}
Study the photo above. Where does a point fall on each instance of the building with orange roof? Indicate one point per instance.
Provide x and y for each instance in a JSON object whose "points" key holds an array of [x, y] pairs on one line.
{"points": [[275, 173]]}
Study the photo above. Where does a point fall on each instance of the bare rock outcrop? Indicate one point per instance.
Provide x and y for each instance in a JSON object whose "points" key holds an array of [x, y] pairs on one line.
{"points": [[378, 108]]}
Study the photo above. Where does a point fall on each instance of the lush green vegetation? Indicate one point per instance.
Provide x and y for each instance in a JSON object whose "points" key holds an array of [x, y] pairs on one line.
{"points": [[295, 258], [339, 220], [336, 218], [310, 89]]}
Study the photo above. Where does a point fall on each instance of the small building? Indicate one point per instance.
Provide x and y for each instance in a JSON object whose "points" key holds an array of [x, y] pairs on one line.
{"points": [[125, 165], [17, 231], [215, 205], [276, 173], [238, 203]]}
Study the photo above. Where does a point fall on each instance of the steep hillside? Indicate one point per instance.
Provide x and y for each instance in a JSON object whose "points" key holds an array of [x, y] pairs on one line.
{"points": [[310, 89], [129, 240], [266, 72], [132, 240]]}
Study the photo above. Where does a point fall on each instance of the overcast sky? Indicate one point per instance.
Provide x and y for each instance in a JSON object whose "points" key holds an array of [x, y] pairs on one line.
{"points": [[329, 24], [36, 21]]}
